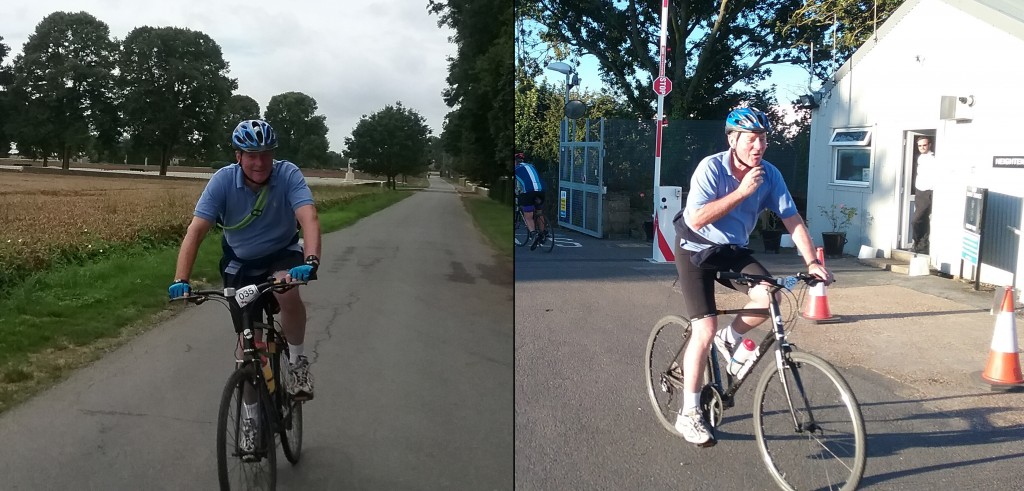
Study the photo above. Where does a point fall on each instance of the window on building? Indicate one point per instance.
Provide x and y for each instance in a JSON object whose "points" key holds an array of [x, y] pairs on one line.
{"points": [[851, 156]]}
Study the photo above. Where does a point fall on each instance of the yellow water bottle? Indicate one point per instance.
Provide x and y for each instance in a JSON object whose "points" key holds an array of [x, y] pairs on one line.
{"points": [[268, 374]]}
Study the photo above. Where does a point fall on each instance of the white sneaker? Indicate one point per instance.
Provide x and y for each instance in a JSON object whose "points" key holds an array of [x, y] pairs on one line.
{"points": [[247, 440], [693, 428], [724, 347], [301, 386]]}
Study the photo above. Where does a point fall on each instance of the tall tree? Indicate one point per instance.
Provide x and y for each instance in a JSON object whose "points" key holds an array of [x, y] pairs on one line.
{"points": [[713, 47], [5, 111], [63, 84], [479, 131], [301, 133], [390, 142], [238, 108], [175, 87]]}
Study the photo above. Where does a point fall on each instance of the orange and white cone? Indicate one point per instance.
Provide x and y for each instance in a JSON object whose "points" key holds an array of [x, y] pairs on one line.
{"points": [[1003, 367], [817, 305]]}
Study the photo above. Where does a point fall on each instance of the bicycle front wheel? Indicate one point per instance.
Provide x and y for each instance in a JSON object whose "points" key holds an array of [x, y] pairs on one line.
{"points": [[245, 461], [291, 413], [549, 237], [821, 443], [519, 231], [663, 368]]}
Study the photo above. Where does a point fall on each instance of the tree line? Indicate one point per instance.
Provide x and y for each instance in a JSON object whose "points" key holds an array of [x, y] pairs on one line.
{"points": [[719, 55], [478, 131], [161, 93]]}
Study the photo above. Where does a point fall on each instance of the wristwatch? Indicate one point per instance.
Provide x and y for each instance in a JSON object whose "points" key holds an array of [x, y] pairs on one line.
{"points": [[814, 262]]}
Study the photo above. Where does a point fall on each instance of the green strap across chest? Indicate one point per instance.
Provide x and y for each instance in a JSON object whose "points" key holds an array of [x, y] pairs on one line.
{"points": [[257, 210]]}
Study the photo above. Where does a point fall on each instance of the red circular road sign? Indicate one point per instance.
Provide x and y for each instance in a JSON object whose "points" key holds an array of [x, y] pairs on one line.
{"points": [[662, 85]]}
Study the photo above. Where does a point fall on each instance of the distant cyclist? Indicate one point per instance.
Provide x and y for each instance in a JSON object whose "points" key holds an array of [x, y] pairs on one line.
{"points": [[530, 196], [728, 190], [258, 201]]}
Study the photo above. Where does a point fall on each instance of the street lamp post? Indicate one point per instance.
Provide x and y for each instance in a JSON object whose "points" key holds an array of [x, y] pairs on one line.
{"points": [[567, 70]]}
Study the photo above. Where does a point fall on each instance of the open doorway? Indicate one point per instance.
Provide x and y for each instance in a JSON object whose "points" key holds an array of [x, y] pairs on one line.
{"points": [[914, 142]]}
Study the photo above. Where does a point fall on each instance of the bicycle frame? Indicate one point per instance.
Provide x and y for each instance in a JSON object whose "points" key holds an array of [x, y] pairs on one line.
{"points": [[250, 351], [778, 334]]}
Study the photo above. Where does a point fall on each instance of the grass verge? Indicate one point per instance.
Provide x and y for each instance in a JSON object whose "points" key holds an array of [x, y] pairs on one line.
{"points": [[62, 318], [493, 220]]}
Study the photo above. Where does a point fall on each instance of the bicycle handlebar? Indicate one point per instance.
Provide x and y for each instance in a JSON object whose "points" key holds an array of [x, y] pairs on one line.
{"points": [[245, 295], [787, 282]]}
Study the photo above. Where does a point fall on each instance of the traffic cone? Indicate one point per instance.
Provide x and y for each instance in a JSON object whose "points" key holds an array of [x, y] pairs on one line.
{"points": [[1003, 367], [817, 306]]}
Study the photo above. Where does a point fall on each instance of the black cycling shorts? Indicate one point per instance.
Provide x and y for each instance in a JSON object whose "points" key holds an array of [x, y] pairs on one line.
{"points": [[533, 199], [237, 273], [698, 285]]}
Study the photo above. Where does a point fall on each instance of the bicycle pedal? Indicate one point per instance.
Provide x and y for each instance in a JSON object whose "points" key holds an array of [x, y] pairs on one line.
{"points": [[251, 458]]}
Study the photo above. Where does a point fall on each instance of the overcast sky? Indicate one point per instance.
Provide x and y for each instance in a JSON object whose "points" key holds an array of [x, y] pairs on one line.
{"points": [[352, 56]]}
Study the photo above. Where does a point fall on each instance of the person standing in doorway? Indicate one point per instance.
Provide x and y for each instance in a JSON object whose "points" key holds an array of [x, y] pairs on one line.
{"points": [[926, 168]]}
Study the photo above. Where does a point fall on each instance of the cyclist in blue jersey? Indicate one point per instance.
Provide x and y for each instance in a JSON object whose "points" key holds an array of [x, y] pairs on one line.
{"points": [[258, 201], [530, 196], [728, 191]]}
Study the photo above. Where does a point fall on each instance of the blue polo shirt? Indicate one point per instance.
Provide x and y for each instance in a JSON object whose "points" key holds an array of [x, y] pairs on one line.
{"points": [[712, 180], [228, 200]]}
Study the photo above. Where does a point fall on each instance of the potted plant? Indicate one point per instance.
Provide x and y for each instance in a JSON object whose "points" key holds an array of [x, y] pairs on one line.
{"points": [[770, 226], [839, 217]]}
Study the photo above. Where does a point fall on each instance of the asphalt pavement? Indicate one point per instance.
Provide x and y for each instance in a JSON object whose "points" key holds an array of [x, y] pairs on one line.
{"points": [[411, 337], [911, 347]]}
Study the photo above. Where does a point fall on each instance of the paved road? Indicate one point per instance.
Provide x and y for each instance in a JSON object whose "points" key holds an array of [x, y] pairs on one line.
{"points": [[411, 334], [583, 420]]}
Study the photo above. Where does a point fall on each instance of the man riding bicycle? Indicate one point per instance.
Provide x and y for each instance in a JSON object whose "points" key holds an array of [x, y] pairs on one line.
{"points": [[530, 196], [728, 191], [257, 201]]}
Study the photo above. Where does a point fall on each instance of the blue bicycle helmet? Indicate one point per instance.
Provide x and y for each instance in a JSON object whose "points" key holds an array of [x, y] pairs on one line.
{"points": [[254, 135], [747, 119]]}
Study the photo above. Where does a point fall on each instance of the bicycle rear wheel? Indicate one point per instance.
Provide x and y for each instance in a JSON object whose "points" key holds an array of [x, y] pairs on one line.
{"points": [[237, 469], [291, 412], [827, 447], [663, 369]]}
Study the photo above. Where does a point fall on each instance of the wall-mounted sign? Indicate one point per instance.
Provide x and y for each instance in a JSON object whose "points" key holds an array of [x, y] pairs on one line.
{"points": [[1011, 162]]}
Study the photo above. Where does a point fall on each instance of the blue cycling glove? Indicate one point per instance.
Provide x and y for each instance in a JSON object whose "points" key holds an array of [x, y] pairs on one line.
{"points": [[307, 271], [178, 289]]}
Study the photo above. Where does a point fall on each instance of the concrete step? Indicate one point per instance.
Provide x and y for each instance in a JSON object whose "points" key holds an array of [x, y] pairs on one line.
{"points": [[900, 262], [905, 256]]}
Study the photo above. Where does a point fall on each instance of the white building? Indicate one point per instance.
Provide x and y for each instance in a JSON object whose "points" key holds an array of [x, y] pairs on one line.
{"points": [[949, 69]]}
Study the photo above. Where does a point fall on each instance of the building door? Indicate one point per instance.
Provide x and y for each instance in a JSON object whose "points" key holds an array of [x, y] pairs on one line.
{"points": [[908, 176]]}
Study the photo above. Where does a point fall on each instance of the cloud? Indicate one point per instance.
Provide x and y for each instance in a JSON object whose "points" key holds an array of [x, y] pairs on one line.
{"points": [[353, 57]]}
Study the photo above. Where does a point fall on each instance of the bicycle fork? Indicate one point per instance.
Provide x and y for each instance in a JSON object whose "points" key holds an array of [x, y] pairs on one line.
{"points": [[782, 364]]}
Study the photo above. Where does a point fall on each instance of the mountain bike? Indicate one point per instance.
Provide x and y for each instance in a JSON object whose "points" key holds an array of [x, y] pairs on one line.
{"points": [[522, 233], [260, 378], [807, 421]]}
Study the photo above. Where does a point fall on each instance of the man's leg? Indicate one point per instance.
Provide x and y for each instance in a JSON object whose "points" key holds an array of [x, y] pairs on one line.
{"points": [[690, 421], [925, 219], [528, 217], [758, 296], [922, 212], [293, 322], [697, 287], [758, 300]]}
